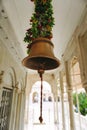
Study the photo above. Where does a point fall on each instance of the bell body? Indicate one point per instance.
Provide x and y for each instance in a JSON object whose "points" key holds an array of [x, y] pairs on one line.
{"points": [[41, 55]]}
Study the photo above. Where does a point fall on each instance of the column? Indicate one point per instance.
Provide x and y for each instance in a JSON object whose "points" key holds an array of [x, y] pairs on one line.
{"points": [[62, 100], [13, 109], [56, 119], [22, 111], [54, 109], [70, 98], [19, 125], [17, 122]]}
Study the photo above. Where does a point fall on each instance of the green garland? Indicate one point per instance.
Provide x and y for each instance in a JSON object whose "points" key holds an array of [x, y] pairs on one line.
{"points": [[41, 21]]}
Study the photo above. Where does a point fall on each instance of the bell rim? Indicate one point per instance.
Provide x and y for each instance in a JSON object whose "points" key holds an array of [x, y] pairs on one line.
{"points": [[57, 61]]}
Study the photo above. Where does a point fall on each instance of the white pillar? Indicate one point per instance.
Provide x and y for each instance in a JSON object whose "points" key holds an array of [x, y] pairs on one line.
{"points": [[77, 99], [56, 117], [17, 122], [70, 99], [13, 110], [54, 109], [62, 100], [22, 111]]}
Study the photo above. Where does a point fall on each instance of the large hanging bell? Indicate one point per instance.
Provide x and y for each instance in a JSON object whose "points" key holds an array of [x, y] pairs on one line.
{"points": [[41, 55]]}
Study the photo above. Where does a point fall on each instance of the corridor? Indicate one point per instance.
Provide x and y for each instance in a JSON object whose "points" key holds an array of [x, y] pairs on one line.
{"points": [[68, 43], [48, 118]]}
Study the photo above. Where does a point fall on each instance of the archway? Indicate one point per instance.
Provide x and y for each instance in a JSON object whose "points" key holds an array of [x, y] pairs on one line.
{"points": [[33, 105], [6, 96], [46, 91]]}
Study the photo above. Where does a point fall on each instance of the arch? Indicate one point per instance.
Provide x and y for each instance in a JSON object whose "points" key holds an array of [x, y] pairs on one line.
{"points": [[9, 78], [13, 75], [32, 79], [76, 74], [47, 93], [46, 85]]}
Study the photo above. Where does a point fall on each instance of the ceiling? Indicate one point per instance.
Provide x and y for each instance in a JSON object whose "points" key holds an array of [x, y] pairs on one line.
{"points": [[14, 21]]}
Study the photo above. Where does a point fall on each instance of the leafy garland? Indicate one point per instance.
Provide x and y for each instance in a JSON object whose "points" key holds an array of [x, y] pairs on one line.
{"points": [[41, 21]]}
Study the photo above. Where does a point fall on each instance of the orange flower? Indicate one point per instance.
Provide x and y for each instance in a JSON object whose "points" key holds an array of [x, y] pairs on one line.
{"points": [[48, 28], [35, 21]]}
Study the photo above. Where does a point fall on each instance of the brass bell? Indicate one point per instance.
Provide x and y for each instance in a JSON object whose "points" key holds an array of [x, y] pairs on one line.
{"points": [[41, 55]]}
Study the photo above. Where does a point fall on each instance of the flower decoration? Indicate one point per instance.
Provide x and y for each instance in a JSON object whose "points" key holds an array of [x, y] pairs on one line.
{"points": [[41, 21]]}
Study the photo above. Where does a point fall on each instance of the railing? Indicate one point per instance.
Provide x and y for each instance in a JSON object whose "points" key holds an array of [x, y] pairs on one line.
{"points": [[80, 119]]}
